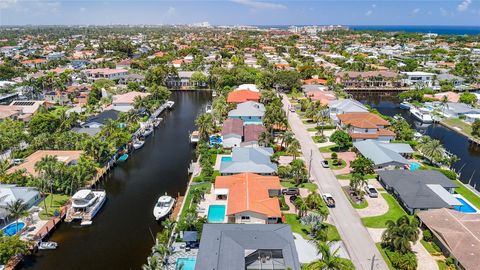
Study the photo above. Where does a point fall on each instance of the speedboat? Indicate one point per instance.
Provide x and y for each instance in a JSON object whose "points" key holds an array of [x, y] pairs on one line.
{"points": [[147, 131], [405, 105], [208, 108], [194, 137], [85, 205], [157, 122], [123, 157], [163, 206], [47, 245], [421, 114], [170, 104], [214, 93], [137, 144]]}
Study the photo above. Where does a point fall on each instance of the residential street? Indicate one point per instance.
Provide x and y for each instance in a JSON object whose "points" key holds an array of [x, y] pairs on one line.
{"points": [[355, 236]]}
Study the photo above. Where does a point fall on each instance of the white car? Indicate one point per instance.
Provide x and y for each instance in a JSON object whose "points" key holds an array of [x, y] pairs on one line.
{"points": [[371, 191], [328, 198]]}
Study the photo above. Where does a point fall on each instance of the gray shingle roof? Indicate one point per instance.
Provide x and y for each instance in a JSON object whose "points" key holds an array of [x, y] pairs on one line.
{"points": [[225, 246], [348, 105], [249, 108], [383, 153], [249, 159], [411, 187]]}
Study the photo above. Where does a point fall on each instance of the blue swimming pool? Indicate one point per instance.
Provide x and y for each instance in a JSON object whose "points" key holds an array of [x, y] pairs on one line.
{"points": [[415, 166], [11, 229], [216, 213], [226, 159], [465, 208], [186, 263]]}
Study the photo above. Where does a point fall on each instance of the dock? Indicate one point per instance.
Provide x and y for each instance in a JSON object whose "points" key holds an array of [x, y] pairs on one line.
{"points": [[178, 207]]}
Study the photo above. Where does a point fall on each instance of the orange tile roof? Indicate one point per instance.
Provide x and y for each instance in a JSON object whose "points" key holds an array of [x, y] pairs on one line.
{"points": [[362, 120], [249, 192], [243, 96], [315, 81], [29, 162]]}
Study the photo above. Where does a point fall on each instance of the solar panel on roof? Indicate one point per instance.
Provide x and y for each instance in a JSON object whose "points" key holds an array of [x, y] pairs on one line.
{"points": [[23, 103]]}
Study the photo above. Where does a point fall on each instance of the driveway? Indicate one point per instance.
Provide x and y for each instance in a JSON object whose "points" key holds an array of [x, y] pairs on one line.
{"points": [[347, 157], [355, 236]]}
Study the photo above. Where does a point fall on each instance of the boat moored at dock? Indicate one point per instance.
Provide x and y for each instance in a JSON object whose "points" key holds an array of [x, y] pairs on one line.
{"points": [[170, 104], [85, 205], [163, 207], [422, 115]]}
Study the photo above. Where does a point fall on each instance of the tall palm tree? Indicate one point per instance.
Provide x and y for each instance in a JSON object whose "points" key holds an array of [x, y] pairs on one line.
{"points": [[205, 125], [399, 235], [293, 148], [287, 138], [265, 138], [16, 209], [330, 260], [46, 166], [432, 149], [301, 206]]}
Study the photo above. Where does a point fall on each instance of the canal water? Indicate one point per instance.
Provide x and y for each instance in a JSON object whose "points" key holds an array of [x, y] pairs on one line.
{"points": [[455, 143], [121, 234]]}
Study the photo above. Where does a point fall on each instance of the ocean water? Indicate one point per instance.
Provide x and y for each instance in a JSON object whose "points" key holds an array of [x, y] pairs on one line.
{"points": [[437, 29]]}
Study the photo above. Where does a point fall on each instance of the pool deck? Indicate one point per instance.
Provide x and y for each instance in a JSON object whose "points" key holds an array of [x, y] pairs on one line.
{"points": [[467, 201], [209, 199], [179, 252]]}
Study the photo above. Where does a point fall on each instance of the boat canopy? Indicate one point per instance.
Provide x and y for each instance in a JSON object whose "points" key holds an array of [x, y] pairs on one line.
{"points": [[81, 194]]}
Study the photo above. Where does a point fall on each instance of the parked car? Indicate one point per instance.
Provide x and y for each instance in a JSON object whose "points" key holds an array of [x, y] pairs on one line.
{"points": [[328, 198], [292, 109], [325, 164], [371, 191], [291, 191], [293, 198]]}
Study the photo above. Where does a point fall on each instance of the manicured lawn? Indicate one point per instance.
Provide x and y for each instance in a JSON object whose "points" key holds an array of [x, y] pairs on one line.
{"points": [[354, 205], [319, 139], [467, 193], [455, 122], [442, 265], [312, 129], [384, 255], [428, 246], [394, 212], [58, 201], [307, 121], [188, 198], [349, 175], [328, 149], [312, 187], [334, 166], [303, 230]]}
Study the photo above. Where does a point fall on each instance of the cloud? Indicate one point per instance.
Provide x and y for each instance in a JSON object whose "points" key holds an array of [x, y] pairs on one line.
{"points": [[374, 6], [368, 13], [415, 11], [443, 11], [82, 9], [171, 11], [464, 5], [259, 5], [4, 4]]}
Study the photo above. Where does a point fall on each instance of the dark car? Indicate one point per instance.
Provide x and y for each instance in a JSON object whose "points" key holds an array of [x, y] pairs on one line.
{"points": [[293, 198], [290, 191]]}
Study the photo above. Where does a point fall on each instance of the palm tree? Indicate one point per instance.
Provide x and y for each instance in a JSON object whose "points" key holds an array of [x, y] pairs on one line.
{"points": [[329, 260], [302, 206], [293, 148], [287, 138], [46, 166], [399, 234], [356, 182], [265, 138], [432, 149], [152, 264], [16, 209], [317, 226], [4, 165], [205, 125], [315, 201]]}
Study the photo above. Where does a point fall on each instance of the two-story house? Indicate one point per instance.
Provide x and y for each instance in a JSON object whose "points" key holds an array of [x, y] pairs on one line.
{"points": [[365, 125]]}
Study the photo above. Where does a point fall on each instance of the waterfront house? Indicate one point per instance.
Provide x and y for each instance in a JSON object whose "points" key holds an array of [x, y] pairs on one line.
{"points": [[249, 159], [184, 81], [343, 106], [418, 79], [420, 189], [232, 132], [384, 155], [365, 125], [11, 193], [455, 110], [243, 96], [69, 157], [456, 234], [100, 119], [124, 102], [248, 86], [251, 198], [105, 73], [369, 79], [241, 246], [249, 112]]}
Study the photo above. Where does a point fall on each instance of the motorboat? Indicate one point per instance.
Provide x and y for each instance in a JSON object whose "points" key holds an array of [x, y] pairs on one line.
{"points": [[147, 131], [208, 108], [194, 137], [421, 114], [170, 104], [214, 93], [405, 105], [85, 205], [47, 245], [137, 144], [123, 157], [163, 207], [157, 122]]}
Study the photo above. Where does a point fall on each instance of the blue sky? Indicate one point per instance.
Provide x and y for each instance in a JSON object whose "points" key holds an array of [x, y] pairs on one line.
{"points": [[253, 12]]}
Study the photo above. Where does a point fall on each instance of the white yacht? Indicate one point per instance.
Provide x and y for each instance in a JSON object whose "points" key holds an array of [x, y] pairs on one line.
{"points": [[85, 205], [170, 104], [194, 137], [163, 206], [147, 131], [405, 105], [421, 114], [208, 108], [137, 144]]}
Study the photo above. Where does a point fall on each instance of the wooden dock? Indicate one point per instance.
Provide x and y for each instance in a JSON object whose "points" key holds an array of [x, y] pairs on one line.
{"points": [[178, 207]]}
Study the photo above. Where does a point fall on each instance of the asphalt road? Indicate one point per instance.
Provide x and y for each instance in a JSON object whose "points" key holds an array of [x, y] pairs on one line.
{"points": [[355, 236]]}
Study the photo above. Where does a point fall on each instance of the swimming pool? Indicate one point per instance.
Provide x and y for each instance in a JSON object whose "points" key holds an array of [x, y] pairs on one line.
{"points": [[465, 208], [226, 159], [186, 263], [11, 229], [216, 213], [415, 166]]}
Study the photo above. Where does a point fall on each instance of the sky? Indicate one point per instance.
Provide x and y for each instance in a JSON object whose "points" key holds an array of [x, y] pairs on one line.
{"points": [[241, 12]]}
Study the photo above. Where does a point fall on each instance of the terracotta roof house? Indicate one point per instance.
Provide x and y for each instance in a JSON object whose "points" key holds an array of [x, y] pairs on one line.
{"points": [[67, 157], [124, 102], [315, 81], [243, 96], [20, 109], [369, 79], [457, 234], [250, 198], [34, 62], [232, 132], [365, 125]]}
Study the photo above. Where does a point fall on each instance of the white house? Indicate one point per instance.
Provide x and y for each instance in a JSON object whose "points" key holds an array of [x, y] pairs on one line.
{"points": [[419, 78], [11, 193], [124, 102]]}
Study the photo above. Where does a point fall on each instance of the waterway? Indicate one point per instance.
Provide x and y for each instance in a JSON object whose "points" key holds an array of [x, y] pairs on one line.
{"points": [[455, 143], [121, 234]]}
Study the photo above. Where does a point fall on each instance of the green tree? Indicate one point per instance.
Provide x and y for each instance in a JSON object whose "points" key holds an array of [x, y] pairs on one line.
{"points": [[205, 125], [11, 246], [287, 80], [342, 139], [16, 209], [476, 128], [293, 148], [468, 98], [356, 182], [43, 123], [330, 260], [399, 235], [361, 165], [298, 171]]}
